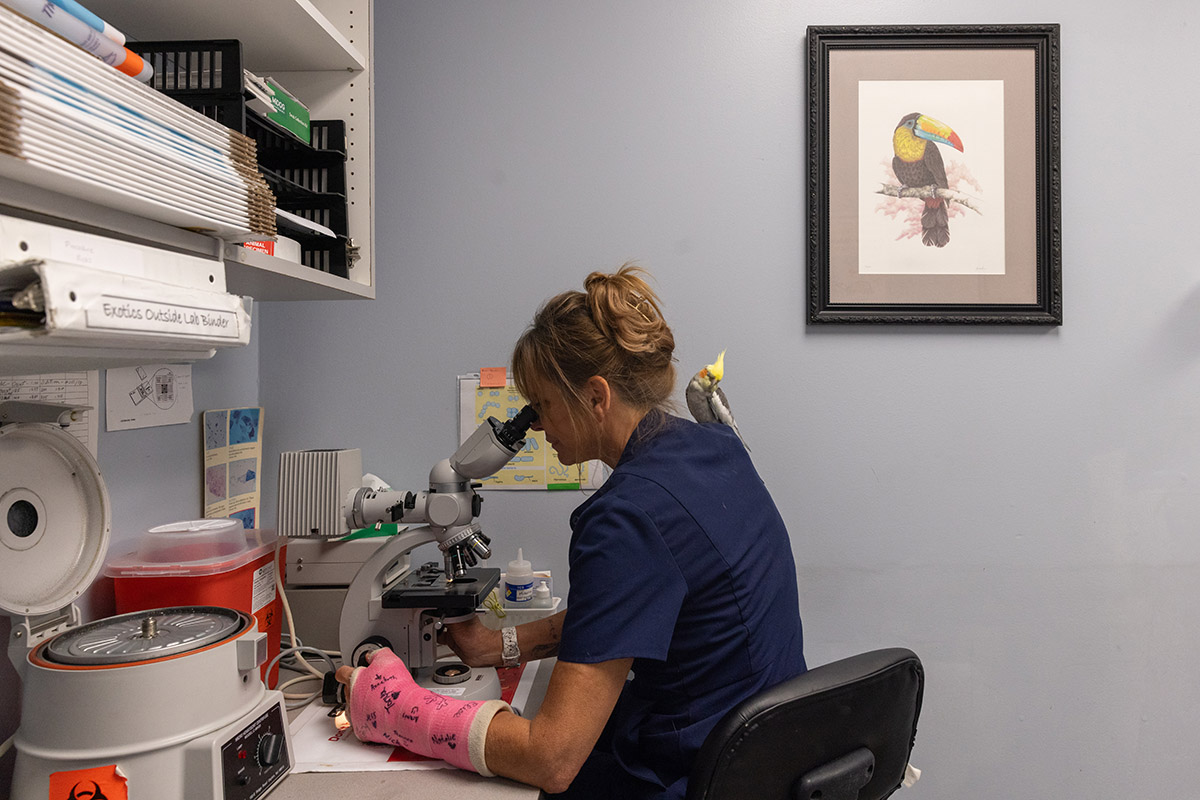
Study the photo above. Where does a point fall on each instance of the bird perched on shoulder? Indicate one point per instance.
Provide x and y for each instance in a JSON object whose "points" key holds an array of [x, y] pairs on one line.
{"points": [[706, 400]]}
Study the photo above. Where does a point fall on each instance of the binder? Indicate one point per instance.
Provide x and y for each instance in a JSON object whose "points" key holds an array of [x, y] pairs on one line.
{"points": [[68, 294]]}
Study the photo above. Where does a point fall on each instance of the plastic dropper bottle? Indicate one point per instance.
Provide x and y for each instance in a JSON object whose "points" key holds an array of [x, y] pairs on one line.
{"points": [[518, 582], [541, 595]]}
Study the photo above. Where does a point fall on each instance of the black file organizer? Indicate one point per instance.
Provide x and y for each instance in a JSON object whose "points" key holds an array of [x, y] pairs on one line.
{"points": [[308, 180]]}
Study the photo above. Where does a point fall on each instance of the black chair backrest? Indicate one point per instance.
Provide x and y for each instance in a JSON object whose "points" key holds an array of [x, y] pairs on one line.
{"points": [[841, 731]]}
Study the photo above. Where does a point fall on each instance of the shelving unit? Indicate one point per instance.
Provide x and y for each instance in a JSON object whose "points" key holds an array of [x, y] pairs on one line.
{"points": [[321, 51]]}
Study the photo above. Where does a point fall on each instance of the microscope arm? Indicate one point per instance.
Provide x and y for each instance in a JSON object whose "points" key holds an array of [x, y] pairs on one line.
{"points": [[363, 604], [373, 614]]}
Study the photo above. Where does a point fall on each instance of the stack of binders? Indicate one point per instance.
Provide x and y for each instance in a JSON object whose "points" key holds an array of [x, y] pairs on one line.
{"points": [[73, 124]]}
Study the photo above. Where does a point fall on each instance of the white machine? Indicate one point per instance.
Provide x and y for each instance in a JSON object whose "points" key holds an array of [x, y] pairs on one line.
{"points": [[389, 603], [154, 705]]}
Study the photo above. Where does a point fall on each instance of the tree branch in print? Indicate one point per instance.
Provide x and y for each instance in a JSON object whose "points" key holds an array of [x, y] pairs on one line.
{"points": [[907, 203]]}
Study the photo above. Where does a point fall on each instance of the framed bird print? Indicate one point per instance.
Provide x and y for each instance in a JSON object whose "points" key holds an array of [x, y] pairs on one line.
{"points": [[934, 189]]}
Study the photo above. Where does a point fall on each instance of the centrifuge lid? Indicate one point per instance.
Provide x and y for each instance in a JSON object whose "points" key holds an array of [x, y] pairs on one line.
{"points": [[54, 519], [144, 636]]}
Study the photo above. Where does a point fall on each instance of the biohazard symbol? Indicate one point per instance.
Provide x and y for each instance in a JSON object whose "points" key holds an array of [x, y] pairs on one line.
{"points": [[97, 783], [87, 790]]}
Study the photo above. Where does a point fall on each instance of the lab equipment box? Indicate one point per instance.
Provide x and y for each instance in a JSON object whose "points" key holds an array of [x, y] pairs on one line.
{"points": [[308, 178]]}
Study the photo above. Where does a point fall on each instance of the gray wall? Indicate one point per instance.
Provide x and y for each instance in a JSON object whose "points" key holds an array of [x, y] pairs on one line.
{"points": [[1014, 505]]}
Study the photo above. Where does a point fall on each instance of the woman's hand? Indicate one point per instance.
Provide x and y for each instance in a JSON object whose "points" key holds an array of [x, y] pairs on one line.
{"points": [[474, 643]]}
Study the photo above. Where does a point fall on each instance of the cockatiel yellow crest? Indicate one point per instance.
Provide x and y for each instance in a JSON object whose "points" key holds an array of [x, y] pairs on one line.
{"points": [[706, 400]]}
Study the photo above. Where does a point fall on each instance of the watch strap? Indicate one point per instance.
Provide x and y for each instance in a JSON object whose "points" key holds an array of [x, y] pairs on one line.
{"points": [[511, 654]]}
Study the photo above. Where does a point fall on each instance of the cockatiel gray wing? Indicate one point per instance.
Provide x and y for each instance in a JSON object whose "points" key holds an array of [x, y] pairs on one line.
{"points": [[707, 401]]}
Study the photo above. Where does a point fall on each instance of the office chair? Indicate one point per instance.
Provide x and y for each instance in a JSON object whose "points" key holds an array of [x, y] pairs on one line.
{"points": [[842, 731]]}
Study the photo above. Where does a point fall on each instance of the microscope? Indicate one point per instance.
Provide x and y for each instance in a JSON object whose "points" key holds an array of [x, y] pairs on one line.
{"points": [[389, 603]]}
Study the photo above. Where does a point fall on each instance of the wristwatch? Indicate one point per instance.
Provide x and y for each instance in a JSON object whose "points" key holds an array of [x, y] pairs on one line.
{"points": [[511, 653]]}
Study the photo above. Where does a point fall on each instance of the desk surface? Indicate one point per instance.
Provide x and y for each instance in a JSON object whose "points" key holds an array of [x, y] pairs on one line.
{"points": [[437, 784], [429, 784]]}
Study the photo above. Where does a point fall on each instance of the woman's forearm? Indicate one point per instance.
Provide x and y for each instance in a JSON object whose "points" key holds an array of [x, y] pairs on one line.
{"points": [[540, 638]]}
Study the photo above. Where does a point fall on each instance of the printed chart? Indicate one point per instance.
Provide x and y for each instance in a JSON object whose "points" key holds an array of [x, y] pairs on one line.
{"points": [[232, 463], [536, 466]]}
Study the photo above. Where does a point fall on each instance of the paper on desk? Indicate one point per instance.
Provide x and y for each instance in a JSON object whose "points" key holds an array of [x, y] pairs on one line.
{"points": [[320, 748]]}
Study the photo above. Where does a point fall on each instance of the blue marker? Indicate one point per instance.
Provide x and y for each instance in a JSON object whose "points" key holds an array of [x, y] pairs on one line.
{"points": [[74, 9]]}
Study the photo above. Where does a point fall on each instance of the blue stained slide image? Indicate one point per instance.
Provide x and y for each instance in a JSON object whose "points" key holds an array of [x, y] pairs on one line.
{"points": [[246, 516], [243, 425], [214, 429], [243, 476]]}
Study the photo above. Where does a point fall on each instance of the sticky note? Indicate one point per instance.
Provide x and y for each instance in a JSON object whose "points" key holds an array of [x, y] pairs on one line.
{"points": [[492, 377]]}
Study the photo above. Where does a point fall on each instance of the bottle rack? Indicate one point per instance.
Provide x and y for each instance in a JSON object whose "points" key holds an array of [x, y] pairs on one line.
{"points": [[308, 179]]}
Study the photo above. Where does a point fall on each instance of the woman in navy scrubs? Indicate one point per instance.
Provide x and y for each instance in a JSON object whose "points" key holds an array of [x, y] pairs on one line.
{"points": [[681, 570], [683, 598]]}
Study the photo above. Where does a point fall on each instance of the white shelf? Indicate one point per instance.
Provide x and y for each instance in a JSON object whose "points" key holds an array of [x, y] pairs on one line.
{"points": [[276, 35], [319, 55], [321, 51], [264, 277]]}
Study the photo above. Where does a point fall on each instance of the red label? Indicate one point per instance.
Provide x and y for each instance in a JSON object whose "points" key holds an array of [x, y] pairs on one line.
{"points": [[262, 247], [97, 783]]}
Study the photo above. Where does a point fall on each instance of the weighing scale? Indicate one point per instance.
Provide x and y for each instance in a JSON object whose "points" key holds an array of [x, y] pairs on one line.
{"points": [[152, 705]]}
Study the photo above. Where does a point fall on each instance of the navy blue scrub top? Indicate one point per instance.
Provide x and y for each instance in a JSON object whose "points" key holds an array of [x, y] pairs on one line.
{"points": [[682, 562]]}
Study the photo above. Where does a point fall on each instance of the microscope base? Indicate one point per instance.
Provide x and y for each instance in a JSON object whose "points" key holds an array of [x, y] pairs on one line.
{"points": [[476, 683]]}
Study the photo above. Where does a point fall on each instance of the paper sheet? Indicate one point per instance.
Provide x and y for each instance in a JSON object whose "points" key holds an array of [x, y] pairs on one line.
{"points": [[536, 466], [147, 396], [64, 388], [232, 464], [320, 748]]}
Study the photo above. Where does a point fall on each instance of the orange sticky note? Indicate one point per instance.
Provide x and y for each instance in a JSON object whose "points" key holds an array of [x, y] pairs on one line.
{"points": [[86, 784], [493, 377]]}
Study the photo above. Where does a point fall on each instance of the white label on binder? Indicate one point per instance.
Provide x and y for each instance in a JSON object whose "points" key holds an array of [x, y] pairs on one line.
{"points": [[96, 252], [130, 314]]}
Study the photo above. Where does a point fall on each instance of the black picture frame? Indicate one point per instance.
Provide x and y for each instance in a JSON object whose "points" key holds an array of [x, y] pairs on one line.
{"points": [[1003, 79]]}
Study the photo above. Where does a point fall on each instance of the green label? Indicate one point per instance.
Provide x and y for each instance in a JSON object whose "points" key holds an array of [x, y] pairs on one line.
{"points": [[289, 114]]}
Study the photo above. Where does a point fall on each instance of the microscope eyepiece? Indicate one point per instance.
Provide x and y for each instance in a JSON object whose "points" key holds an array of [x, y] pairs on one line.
{"points": [[514, 430]]}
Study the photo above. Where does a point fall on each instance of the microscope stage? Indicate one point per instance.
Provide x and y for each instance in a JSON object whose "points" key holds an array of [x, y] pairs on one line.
{"points": [[427, 587]]}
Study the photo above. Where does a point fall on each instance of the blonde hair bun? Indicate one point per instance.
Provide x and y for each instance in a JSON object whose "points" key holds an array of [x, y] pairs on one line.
{"points": [[613, 329]]}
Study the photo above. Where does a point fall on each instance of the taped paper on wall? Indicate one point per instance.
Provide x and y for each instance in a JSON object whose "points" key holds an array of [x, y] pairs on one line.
{"points": [[233, 463], [148, 396], [536, 466]]}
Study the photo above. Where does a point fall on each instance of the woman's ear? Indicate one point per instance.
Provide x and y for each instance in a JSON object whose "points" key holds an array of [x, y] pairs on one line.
{"points": [[599, 395]]}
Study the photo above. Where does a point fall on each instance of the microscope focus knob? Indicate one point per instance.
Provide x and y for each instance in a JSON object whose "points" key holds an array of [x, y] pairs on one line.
{"points": [[365, 647]]}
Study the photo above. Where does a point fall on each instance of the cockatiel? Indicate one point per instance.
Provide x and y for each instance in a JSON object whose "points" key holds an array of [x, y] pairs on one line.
{"points": [[706, 400]]}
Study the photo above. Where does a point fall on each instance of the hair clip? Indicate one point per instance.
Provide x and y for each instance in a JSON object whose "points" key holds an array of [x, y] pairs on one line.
{"points": [[638, 308]]}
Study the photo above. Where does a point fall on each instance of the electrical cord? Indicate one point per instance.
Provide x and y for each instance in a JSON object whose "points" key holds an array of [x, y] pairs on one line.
{"points": [[292, 657], [304, 699], [287, 613]]}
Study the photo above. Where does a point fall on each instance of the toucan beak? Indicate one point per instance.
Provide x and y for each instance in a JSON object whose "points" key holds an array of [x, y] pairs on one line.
{"points": [[929, 128]]}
